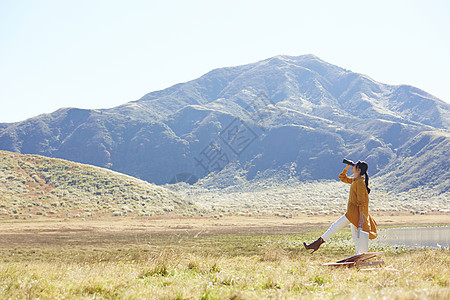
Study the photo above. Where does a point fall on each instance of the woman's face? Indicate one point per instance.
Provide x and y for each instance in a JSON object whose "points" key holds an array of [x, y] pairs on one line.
{"points": [[355, 170]]}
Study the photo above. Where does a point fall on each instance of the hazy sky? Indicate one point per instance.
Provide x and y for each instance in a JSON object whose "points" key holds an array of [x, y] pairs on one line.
{"points": [[99, 54]]}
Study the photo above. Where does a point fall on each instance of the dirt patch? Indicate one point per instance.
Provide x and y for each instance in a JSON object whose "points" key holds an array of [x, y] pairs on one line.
{"points": [[75, 232]]}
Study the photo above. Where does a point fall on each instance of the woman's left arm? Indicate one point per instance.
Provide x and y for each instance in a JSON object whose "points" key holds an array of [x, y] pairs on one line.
{"points": [[361, 219], [362, 197]]}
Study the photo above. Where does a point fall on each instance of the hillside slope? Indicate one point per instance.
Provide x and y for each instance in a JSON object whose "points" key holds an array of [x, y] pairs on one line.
{"points": [[33, 186], [422, 161]]}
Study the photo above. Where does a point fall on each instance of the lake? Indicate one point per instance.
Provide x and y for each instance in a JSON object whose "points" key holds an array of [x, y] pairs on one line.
{"points": [[415, 236]]}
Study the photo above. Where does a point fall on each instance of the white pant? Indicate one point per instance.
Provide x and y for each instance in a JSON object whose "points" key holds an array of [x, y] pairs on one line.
{"points": [[361, 242]]}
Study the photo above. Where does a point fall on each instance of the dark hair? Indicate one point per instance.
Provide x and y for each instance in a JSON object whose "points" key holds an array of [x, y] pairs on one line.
{"points": [[362, 165]]}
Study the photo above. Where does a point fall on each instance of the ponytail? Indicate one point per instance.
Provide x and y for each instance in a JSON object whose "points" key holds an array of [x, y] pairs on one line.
{"points": [[362, 165], [366, 179]]}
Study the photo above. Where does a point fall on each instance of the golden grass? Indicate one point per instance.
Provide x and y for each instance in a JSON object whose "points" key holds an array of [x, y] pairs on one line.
{"points": [[140, 264], [173, 274]]}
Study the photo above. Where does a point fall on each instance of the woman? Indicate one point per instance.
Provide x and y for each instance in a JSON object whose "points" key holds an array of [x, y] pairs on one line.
{"points": [[357, 214]]}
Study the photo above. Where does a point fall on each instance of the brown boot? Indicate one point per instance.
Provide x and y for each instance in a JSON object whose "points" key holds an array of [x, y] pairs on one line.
{"points": [[314, 245]]}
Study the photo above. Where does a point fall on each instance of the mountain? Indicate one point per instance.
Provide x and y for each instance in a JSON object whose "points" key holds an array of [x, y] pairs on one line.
{"points": [[32, 186], [422, 161], [284, 113]]}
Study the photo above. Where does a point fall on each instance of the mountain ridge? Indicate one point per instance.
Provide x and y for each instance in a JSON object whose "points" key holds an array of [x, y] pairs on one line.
{"points": [[319, 111]]}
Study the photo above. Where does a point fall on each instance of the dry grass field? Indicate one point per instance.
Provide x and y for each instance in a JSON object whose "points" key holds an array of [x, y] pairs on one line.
{"points": [[174, 257]]}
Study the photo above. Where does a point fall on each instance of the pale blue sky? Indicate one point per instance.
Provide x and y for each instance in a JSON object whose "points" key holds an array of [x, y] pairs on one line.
{"points": [[99, 54]]}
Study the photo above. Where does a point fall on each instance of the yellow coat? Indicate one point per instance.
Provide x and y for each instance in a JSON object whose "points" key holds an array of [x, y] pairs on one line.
{"points": [[359, 201]]}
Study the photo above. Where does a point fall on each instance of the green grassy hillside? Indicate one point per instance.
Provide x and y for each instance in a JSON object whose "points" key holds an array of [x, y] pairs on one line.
{"points": [[34, 186]]}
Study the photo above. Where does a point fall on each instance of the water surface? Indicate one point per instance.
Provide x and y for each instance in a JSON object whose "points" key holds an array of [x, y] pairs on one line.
{"points": [[415, 237]]}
